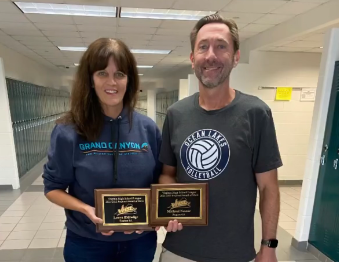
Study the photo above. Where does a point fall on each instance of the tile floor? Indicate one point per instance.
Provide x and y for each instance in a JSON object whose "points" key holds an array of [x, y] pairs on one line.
{"points": [[32, 228]]}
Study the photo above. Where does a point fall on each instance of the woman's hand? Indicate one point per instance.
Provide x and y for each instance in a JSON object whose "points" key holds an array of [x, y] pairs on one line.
{"points": [[131, 232], [90, 213]]}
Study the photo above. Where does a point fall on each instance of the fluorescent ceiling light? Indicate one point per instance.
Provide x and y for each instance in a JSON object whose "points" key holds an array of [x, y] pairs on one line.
{"points": [[321, 47], [169, 14], [76, 64], [66, 9], [70, 48], [144, 66], [148, 51], [140, 74]]}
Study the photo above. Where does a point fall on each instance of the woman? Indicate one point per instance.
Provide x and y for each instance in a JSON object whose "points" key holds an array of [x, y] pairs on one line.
{"points": [[102, 143]]}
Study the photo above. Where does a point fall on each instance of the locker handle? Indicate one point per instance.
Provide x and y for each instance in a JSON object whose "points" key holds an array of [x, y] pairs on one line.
{"points": [[322, 160], [335, 164]]}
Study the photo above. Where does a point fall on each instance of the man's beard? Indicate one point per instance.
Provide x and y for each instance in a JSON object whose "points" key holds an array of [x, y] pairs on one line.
{"points": [[218, 80]]}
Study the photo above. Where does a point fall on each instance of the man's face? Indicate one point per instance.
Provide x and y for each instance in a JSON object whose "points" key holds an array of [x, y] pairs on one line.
{"points": [[213, 58]]}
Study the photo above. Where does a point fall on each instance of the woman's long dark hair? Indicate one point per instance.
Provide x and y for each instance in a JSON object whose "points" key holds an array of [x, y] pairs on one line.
{"points": [[86, 112]]}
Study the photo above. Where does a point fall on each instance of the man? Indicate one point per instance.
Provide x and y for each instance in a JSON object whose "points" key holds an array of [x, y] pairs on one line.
{"points": [[225, 138]]}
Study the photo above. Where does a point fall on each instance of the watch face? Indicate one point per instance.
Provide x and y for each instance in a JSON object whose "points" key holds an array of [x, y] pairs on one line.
{"points": [[273, 243]]}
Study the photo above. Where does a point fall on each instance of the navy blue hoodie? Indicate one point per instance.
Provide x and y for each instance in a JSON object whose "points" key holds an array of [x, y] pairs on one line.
{"points": [[82, 166]]}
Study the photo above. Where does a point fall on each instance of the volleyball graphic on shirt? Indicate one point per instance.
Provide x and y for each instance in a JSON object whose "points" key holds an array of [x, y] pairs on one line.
{"points": [[205, 154]]}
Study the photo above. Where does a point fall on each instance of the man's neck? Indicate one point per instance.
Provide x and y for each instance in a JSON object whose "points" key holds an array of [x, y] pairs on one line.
{"points": [[215, 98]]}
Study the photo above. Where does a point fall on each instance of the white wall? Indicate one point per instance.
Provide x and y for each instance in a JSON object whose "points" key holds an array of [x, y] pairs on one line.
{"points": [[19, 67], [22, 68], [8, 166], [293, 118]]}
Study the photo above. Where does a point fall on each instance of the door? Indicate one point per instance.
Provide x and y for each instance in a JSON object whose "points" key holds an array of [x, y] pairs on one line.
{"points": [[324, 233]]}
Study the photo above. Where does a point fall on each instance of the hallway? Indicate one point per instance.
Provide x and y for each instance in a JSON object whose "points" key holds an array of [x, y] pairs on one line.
{"points": [[32, 228]]}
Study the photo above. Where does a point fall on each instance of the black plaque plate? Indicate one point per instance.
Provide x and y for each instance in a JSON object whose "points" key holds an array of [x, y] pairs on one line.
{"points": [[123, 209], [179, 203], [187, 203]]}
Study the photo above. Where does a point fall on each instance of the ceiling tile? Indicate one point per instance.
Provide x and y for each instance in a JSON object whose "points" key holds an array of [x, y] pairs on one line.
{"points": [[135, 22], [31, 38], [61, 33], [213, 5], [174, 32], [16, 18], [294, 8], [143, 30], [169, 38], [247, 34], [67, 40], [22, 32], [45, 50], [96, 28], [96, 35], [40, 45], [54, 26], [242, 17], [169, 43], [312, 1], [9, 7], [58, 19], [87, 20], [13, 25], [262, 7], [256, 28], [147, 3], [134, 37], [273, 19], [174, 24]]}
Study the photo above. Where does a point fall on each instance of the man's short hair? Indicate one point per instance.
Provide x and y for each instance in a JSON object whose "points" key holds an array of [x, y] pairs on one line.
{"points": [[216, 18]]}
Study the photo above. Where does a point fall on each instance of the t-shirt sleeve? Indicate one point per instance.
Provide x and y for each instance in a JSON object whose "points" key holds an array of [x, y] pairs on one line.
{"points": [[167, 155], [58, 171], [266, 155]]}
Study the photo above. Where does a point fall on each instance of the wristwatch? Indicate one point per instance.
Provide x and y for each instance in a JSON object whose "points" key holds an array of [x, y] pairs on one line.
{"points": [[272, 243]]}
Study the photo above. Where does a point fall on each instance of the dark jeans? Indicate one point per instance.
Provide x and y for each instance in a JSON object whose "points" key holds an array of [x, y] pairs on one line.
{"points": [[80, 249]]}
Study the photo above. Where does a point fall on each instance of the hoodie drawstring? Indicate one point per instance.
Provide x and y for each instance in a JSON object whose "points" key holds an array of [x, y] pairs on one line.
{"points": [[115, 145]]}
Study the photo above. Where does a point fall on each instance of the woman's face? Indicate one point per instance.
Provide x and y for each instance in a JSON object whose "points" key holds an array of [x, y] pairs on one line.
{"points": [[110, 86]]}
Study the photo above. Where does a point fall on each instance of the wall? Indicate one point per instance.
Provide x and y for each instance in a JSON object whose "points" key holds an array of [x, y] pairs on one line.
{"points": [[16, 66], [293, 118], [22, 68]]}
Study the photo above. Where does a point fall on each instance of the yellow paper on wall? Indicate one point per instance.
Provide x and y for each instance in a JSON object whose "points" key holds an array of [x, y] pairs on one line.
{"points": [[283, 93]]}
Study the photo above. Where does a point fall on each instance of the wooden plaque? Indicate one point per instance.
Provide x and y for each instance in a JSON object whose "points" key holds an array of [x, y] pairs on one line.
{"points": [[123, 209], [188, 203]]}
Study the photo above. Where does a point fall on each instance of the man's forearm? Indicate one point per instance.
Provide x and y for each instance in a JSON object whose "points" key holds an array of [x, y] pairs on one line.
{"points": [[269, 209], [166, 179]]}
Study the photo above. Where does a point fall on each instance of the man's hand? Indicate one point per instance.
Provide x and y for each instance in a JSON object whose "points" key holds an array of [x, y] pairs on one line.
{"points": [[266, 254], [173, 226]]}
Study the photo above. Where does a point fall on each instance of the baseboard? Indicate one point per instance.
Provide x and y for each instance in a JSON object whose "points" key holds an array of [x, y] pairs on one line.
{"points": [[6, 187], [319, 255], [290, 182], [304, 246], [301, 246]]}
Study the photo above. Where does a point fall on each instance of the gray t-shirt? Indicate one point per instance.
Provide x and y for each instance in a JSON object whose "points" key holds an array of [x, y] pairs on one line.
{"points": [[224, 148]]}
